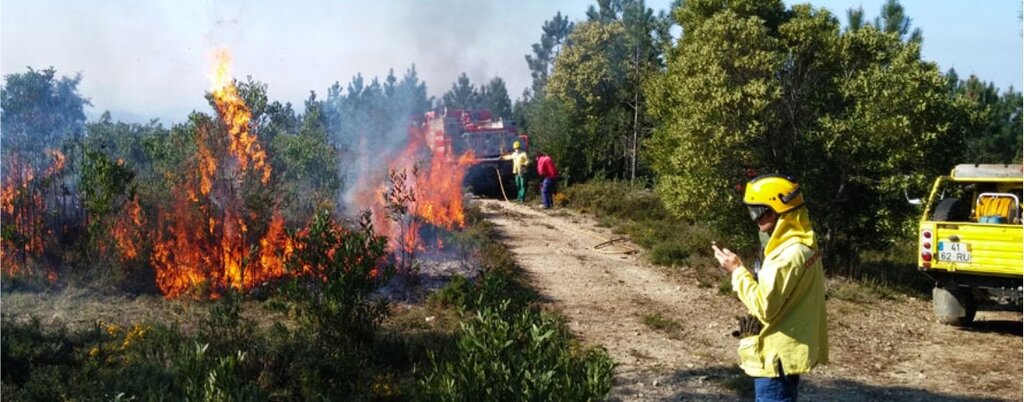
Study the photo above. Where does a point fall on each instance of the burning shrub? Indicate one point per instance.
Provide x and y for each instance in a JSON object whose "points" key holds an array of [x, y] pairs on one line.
{"points": [[336, 270]]}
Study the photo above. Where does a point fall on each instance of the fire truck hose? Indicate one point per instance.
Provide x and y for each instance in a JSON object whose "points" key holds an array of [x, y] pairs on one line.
{"points": [[605, 245], [500, 183], [600, 247]]}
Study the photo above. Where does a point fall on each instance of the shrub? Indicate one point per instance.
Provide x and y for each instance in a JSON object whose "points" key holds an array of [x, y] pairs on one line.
{"points": [[638, 212], [337, 269], [503, 354]]}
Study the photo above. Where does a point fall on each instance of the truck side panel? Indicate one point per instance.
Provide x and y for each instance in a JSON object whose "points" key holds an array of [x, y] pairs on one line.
{"points": [[993, 249]]}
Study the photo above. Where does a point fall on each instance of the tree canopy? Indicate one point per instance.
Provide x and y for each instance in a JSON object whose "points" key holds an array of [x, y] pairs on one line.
{"points": [[856, 116]]}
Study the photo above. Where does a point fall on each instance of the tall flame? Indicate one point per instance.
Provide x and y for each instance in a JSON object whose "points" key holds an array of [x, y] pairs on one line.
{"points": [[205, 238], [236, 114], [435, 181]]}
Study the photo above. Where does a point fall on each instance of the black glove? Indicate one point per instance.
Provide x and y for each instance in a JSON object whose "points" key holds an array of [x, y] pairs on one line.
{"points": [[748, 326]]}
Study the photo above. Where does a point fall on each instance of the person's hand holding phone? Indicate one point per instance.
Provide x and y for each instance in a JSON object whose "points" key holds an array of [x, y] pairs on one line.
{"points": [[728, 260]]}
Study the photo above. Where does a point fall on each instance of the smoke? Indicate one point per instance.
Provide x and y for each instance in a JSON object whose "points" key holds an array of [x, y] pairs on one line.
{"points": [[449, 38], [369, 123]]}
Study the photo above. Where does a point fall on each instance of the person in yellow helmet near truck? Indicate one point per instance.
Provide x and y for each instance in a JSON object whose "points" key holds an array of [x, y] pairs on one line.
{"points": [[519, 161], [786, 296]]}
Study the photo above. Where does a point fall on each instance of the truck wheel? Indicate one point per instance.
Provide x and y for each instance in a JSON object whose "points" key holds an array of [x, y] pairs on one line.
{"points": [[951, 209], [954, 306]]}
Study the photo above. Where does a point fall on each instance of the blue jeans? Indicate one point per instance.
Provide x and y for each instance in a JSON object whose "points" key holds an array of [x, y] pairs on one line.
{"points": [[547, 187], [776, 389]]}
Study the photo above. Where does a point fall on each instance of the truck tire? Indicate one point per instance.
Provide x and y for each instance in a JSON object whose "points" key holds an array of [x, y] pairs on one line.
{"points": [[951, 209], [954, 306]]}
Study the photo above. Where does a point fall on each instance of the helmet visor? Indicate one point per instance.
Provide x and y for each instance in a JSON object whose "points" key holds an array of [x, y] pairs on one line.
{"points": [[757, 211]]}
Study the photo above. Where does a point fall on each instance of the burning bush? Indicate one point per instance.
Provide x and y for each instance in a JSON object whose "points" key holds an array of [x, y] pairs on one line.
{"points": [[336, 270]]}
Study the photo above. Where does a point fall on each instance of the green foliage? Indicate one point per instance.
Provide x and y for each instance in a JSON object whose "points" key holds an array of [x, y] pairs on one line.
{"points": [[307, 165], [40, 111], [855, 116], [456, 292], [508, 354], [108, 361], [640, 213], [106, 185], [996, 133], [658, 322], [337, 269]]}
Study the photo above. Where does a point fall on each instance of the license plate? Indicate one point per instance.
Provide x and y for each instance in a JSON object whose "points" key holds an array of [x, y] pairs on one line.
{"points": [[954, 251]]}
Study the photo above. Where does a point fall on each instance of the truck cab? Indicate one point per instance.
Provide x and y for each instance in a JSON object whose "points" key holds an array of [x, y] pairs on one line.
{"points": [[970, 241]]}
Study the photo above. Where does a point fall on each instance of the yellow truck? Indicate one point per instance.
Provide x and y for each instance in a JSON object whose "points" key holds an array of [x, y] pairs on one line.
{"points": [[969, 241]]}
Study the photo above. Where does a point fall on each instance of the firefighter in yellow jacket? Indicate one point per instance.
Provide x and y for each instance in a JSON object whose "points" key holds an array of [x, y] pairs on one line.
{"points": [[786, 296], [519, 162]]}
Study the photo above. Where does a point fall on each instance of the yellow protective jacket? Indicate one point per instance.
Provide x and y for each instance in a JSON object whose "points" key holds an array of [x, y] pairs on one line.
{"points": [[519, 160], [788, 297]]}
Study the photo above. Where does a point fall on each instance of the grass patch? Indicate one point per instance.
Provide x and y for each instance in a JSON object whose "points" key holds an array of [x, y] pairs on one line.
{"points": [[670, 241], [660, 323], [638, 212]]}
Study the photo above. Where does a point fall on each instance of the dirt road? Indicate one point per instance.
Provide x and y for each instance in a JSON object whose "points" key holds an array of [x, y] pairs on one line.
{"points": [[672, 340]]}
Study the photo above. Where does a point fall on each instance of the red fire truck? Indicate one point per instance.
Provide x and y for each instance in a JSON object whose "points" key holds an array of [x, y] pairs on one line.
{"points": [[451, 133]]}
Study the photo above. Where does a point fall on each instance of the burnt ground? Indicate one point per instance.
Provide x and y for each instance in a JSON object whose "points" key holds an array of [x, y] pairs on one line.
{"points": [[671, 335]]}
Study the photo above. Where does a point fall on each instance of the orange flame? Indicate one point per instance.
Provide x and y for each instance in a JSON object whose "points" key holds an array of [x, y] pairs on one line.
{"points": [[236, 114], [126, 231], [436, 187], [205, 239], [23, 203]]}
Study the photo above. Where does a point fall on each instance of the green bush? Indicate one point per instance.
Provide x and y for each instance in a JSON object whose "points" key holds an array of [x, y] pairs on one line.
{"points": [[337, 270], [639, 213], [505, 354]]}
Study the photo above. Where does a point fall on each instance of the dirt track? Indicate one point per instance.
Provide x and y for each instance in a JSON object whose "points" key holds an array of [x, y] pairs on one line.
{"points": [[881, 351]]}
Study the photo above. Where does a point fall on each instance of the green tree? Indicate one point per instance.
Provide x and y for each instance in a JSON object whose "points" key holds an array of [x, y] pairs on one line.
{"points": [[893, 19], [856, 116], [596, 88], [462, 95], [541, 64], [996, 135], [554, 33], [643, 58], [855, 18], [494, 97], [39, 111], [307, 165], [590, 82]]}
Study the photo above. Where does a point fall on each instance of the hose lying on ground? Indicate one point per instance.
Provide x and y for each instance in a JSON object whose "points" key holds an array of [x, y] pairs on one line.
{"points": [[500, 183]]}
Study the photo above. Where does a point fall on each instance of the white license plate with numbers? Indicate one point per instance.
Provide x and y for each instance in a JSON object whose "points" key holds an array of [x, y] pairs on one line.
{"points": [[954, 251]]}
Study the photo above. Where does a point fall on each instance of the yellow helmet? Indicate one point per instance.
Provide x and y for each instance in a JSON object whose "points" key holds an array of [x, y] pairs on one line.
{"points": [[780, 193], [515, 145]]}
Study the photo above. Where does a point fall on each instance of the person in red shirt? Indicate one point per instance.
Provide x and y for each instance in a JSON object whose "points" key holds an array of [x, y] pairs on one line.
{"points": [[546, 170]]}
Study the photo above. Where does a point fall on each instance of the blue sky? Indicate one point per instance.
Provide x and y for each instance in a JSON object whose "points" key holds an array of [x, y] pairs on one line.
{"points": [[143, 59]]}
